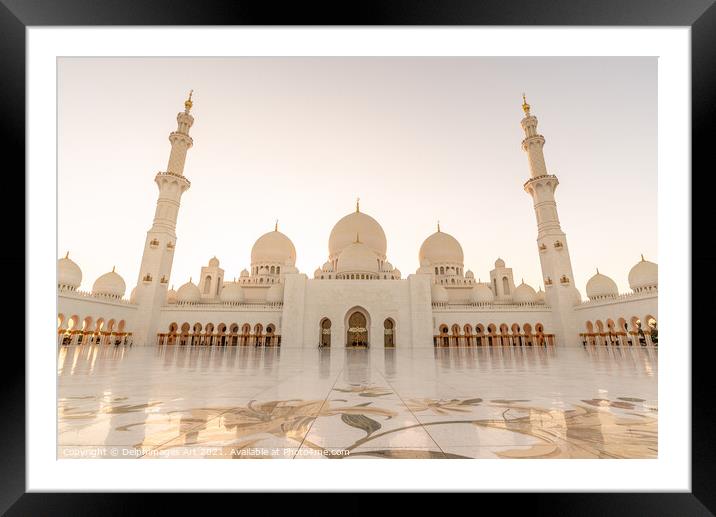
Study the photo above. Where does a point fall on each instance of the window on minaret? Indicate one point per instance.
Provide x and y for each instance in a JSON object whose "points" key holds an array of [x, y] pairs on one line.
{"points": [[207, 284], [505, 285], [278, 270]]}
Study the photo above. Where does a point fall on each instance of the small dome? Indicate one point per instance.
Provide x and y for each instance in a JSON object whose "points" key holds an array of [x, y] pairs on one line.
{"points": [[317, 273], [244, 273], [469, 274], [601, 286], [133, 295], [441, 248], [188, 293], [214, 262], [396, 273], [171, 296], [231, 293], [344, 233], [438, 294], [328, 267], [482, 293], [644, 275], [524, 294], [109, 284], [69, 273], [273, 247], [387, 266], [357, 258], [499, 263], [540, 296], [275, 294]]}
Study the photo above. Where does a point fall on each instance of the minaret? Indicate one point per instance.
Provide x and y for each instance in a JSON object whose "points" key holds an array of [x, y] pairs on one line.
{"points": [[159, 246], [561, 294]]}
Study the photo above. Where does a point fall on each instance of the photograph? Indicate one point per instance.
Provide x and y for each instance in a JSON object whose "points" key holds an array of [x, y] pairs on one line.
{"points": [[357, 257]]}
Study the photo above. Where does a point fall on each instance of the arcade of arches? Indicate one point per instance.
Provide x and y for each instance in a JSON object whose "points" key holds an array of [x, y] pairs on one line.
{"points": [[493, 335], [357, 332], [75, 330], [220, 335], [622, 333]]}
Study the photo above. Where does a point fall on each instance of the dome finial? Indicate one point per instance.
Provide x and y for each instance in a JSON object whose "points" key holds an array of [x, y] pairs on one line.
{"points": [[642, 257], [438, 225], [525, 106], [67, 255], [357, 241], [357, 204], [113, 269], [190, 280], [188, 103], [598, 271], [275, 228]]}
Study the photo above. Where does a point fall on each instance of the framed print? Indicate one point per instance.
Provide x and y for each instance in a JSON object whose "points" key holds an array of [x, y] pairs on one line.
{"points": [[433, 236]]}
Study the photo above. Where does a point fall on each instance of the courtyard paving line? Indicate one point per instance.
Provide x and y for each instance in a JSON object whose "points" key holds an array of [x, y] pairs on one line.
{"points": [[408, 408], [338, 375], [198, 425]]}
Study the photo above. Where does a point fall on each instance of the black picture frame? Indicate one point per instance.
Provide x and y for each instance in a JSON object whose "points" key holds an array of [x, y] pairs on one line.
{"points": [[699, 15]]}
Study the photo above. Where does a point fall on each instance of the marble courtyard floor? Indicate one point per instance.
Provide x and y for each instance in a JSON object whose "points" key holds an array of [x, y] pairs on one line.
{"points": [[243, 402]]}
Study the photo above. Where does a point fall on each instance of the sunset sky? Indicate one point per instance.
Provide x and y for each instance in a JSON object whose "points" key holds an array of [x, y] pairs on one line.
{"points": [[417, 139]]}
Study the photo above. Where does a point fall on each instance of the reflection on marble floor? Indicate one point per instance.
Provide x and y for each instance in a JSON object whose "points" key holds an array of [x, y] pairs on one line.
{"points": [[243, 402]]}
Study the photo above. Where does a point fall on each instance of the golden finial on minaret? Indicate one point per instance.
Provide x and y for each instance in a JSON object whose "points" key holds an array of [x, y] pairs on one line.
{"points": [[357, 204], [188, 104], [525, 106]]}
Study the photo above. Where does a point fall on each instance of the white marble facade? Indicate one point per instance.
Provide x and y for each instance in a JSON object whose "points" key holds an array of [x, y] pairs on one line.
{"points": [[357, 296]]}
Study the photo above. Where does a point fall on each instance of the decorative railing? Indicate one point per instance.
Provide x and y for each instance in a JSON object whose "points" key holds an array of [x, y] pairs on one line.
{"points": [[95, 297], [539, 178], [223, 306], [471, 307], [618, 298]]}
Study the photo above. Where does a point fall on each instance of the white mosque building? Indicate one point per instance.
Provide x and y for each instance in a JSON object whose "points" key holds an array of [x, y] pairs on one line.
{"points": [[357, 297]]}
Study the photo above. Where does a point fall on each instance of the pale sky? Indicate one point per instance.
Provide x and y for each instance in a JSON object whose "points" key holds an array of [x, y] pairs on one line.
{"points": [[417, 139]]}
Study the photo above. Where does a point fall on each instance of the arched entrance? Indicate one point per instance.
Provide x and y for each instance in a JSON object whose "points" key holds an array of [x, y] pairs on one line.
{"points": [[325, 333], [389, 333], [357, 334]]}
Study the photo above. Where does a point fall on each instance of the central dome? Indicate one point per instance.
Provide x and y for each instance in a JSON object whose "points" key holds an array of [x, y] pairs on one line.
{"points": [[357, 223], [441, 248], [357, 258], [273, 247]]}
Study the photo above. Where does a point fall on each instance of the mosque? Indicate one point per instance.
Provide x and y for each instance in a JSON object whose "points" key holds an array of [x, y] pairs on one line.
{"points": [[357, 298]]}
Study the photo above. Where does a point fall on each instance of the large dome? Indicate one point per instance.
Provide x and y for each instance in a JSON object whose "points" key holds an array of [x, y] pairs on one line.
{"points": [[231, 293], [109, 284], [188, 293], [644, 275], [441, 248], [69, 273], [368, 230], [273, 247], [601, 286], [357, 258]]}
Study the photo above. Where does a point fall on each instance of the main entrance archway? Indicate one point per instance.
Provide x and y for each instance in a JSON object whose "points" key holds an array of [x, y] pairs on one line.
{"points": [[357, 333]]}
